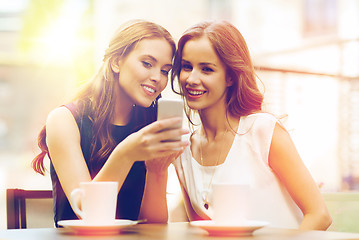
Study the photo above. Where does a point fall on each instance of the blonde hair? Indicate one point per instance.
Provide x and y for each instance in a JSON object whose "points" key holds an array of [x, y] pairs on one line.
{"points": [[98, 95]]}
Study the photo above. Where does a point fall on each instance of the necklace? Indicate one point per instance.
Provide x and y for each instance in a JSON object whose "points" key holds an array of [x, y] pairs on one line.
{"points": [[205, 195]]}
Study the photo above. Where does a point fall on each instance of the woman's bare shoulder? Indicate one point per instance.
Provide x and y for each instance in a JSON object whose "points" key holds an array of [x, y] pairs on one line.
{"points": [[60, 116]]}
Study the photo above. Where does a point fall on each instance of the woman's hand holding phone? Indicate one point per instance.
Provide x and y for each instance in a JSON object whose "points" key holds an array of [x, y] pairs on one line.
{"points": [[161, 138], [171, 108]]}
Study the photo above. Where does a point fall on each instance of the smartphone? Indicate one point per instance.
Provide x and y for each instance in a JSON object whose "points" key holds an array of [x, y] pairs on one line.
{"points": [[168, 108]]}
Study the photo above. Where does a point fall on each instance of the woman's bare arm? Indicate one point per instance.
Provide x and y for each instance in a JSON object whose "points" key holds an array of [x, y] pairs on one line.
{"points": [[290, 169]]}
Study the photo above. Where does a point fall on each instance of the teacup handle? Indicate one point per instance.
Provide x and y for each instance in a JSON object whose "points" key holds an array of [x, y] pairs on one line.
{"points": [[75, 195]]}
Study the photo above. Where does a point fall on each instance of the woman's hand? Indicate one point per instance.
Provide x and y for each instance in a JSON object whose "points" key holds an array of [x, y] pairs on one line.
{"points": [[150, 142], [160, 165], [154, 201]]}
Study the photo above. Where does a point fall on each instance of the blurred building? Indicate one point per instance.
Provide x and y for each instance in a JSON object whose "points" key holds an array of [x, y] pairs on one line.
{"points": [[306, 53]]}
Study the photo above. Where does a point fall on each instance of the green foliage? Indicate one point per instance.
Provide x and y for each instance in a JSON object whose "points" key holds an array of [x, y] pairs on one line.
{"points": [[39, 16]]}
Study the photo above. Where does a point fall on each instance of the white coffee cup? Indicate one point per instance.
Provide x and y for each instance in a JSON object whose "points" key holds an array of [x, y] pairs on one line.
{"points": [[230, 203], [98, 202]]}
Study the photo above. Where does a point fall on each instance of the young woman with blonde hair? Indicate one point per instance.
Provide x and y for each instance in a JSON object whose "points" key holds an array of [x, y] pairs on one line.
{"points": [[109, 133]]}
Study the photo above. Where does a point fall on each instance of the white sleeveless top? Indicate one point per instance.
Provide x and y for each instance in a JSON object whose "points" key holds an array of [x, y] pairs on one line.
{"points": [[246, 163]]}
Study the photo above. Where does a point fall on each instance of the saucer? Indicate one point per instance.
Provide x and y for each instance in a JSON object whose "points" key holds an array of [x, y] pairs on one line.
{"points": [[246, 228], [80, 227]]}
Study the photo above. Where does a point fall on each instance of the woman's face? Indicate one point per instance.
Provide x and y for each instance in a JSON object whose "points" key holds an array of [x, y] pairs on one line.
{"points": [[143, 73], [203, 75]]}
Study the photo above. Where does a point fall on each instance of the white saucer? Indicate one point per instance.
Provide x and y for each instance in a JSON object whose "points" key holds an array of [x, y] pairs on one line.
{"points": [[246, 228], [80, 227]]}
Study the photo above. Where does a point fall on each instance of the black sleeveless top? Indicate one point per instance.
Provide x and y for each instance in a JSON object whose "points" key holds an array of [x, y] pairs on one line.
{"points": [[130, 195]]}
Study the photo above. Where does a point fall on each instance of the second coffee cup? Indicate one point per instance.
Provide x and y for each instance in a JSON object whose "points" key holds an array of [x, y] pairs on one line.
{"points": [[98, 202], [230, 203]]}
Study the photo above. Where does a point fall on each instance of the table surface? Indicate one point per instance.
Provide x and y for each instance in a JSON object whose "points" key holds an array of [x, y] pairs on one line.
{"points": [[173, 231]]}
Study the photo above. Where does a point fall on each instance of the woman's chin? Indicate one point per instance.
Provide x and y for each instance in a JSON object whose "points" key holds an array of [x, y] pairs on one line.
{"points": [[193, 105], [144, 104]]}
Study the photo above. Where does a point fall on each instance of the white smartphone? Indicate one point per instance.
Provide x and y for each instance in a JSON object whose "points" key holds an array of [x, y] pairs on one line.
{"points": [[168, 108]]}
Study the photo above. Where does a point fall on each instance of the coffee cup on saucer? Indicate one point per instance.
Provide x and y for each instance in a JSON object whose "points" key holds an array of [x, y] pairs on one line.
{"points": [[95, 202], [230, 203]]}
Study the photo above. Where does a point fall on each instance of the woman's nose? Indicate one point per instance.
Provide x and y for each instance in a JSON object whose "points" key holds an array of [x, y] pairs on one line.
{"points": [[193, 78], [156, 75]]}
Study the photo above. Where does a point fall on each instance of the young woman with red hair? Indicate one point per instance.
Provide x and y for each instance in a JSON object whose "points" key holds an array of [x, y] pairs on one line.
{"points": [[236, 141]]}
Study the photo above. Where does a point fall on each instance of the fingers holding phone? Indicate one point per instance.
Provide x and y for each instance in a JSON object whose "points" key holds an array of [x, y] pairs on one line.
{"points": [[171, 108], [160, 138]]}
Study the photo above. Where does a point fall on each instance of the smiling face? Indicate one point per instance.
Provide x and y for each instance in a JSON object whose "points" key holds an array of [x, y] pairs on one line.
{"points": [[143, 73], [203, 75]]}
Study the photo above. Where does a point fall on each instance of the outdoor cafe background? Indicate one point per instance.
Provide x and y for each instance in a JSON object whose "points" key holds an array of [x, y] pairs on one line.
{"points": [[306, 52]]}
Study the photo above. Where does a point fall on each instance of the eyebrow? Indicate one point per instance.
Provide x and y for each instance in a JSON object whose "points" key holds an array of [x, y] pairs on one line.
{"points": [[201, 64], [155, 60], [150, 56]]}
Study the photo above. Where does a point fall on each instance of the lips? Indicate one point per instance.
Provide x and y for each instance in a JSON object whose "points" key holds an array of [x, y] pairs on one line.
{"points": [[195, 93], [149, 90]]}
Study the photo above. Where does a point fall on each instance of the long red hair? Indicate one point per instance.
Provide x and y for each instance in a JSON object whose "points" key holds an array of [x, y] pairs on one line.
{"points": [[243, 97]]}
